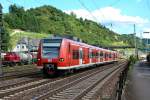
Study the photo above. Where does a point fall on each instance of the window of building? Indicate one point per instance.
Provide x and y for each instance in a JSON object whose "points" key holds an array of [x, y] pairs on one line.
{"points": [[22, 47]]}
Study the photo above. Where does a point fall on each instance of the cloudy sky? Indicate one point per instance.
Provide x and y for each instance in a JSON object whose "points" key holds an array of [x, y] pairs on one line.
{"points": [[118, 15]]}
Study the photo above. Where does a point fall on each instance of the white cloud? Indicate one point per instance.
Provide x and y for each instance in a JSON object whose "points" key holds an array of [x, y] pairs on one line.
{"points": [[146, 29], [122, 23], [108, 15]]}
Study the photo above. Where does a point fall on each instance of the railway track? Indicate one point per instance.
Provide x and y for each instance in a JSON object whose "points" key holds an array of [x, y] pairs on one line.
{"points": [[18, 81], [39, 88], [82, 90], [19, 74]]}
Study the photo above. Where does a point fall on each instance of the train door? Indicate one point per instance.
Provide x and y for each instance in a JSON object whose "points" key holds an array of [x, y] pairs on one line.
{"points": [[80, 56], [69, 57], [90, 55], [85, 55], [113, 56], [74, 57], [105, 56], [101, 56], [98, 55]]}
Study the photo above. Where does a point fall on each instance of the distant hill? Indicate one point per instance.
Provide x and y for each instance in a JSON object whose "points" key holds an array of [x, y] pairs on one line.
{"points": [[50, 20]]}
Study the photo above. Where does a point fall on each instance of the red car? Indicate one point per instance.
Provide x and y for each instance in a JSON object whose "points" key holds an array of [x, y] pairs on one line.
{"points": [[64, 54]]}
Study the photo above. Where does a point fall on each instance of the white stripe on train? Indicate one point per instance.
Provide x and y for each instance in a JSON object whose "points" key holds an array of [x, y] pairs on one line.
{"points": [[83, 65]]}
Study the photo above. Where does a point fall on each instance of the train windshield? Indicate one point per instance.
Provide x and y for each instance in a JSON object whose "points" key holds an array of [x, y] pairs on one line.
{"points": [[51, 48]]}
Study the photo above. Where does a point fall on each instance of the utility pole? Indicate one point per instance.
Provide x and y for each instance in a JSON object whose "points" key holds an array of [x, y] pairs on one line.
{"points": [[136, 50], [111, 26], [1, 28]]}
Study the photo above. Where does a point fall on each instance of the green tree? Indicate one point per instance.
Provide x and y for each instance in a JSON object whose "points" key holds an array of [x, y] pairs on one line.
{"points": [[5, 39], [51, 20]]}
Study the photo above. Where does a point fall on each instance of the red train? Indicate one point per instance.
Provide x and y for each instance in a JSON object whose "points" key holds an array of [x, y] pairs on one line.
{"points": [[14, 58], [11, 58], [58, 55]]}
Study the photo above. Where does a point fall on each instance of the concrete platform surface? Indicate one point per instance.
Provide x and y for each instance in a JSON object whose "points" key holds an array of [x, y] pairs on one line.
{"points": [[139, 82]]}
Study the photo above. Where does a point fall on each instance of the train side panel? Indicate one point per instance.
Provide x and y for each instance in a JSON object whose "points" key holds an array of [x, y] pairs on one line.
{"points": [[64, 50]]}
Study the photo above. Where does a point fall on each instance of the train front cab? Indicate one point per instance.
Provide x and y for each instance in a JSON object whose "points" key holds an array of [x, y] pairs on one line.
{"points": [[48, 55]]}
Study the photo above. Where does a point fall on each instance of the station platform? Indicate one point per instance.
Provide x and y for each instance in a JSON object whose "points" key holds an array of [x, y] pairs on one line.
{"points": [[138, 87]]}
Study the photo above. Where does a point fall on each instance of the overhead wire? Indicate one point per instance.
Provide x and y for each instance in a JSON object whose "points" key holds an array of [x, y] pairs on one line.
{"points": [[11, 2], [103, 16], [96, 6], [83, 5], [114, 3]]}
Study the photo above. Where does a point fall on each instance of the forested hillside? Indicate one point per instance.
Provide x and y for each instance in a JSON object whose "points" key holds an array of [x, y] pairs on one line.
{"points": [[50, 20]]}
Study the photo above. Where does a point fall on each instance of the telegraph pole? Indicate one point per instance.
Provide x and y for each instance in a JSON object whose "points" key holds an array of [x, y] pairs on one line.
{"points": [[1, 28], [136, 50]]}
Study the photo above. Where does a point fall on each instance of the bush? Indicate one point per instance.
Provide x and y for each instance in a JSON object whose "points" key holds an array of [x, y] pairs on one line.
{"points": [[133, 59]]}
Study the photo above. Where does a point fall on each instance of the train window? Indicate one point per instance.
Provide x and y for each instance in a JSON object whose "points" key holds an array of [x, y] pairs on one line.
{"points": [[110, 56], [81, 54], [93, 55], [114, 56], [96, 55], [101, 54], [106, 55], [75, 54], [50, 52], [90, 54], [52, 40]]}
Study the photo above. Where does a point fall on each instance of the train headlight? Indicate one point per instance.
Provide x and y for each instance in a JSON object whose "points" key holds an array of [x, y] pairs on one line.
{"points": [[61, 59]]}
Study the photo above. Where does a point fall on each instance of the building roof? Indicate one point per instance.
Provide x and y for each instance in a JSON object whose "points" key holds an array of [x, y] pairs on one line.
{"points": [[146, 35], [29, 41]]}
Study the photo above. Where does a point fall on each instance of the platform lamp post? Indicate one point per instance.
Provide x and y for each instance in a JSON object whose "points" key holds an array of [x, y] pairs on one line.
{"points": [[1, 25]]}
